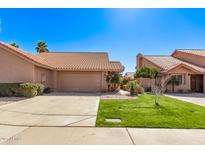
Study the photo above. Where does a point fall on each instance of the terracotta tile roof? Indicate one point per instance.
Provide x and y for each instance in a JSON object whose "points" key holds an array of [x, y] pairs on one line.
{"points": [[199, 52], [164, 62], [168, 62], [129, 75], [82, 61]]}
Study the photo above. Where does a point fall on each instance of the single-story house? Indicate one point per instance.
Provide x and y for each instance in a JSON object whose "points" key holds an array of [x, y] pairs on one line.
{"points": [[129, 76], [187, 65], [61, 71]]}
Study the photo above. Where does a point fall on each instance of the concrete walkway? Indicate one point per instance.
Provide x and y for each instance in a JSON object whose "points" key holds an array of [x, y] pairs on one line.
{"points": [[99, 136], [196, 98]]}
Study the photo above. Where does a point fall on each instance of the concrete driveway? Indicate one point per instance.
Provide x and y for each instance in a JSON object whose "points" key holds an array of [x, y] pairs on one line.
{"points": [[51, 111], [196, 98]]}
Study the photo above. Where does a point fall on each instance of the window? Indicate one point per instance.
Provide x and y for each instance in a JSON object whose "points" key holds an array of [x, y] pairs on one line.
{"points": [[179, 79], [176, 79]]}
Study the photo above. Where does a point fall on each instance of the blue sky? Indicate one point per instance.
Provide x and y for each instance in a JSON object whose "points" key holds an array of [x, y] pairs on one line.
{"points": [[123, 33]]}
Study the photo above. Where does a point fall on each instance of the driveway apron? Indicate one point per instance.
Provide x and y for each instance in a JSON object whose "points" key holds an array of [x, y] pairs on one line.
{"points": [[51, 111]]}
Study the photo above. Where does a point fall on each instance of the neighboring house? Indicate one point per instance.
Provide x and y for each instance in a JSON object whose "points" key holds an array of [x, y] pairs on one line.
{"points": [[129, 76], [61, 71], [188, 65]]}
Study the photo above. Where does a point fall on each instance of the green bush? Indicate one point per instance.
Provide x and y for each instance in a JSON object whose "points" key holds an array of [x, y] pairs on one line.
{"points": [[40, 88], [134, 88], [5, 90], [28, 90], [21, 89], [47, 90], [139, 89]]}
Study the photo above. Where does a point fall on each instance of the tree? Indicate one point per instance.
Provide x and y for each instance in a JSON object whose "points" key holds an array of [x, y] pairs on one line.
{"points": [[41, 47], [147, 72], [113, 80], [15, 45], [174, 80], [152, 73]]}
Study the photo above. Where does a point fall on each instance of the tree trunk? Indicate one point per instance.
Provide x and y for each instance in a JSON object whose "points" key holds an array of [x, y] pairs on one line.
{"points": [[172, 86]]}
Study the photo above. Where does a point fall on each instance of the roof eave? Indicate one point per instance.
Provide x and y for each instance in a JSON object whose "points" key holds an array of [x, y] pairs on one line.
{"points": [[188, 67], [26, 58], [153, 63]]}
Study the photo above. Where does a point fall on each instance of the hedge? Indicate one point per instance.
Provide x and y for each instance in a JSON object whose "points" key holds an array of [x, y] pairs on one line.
{"points": [[21, 89]]}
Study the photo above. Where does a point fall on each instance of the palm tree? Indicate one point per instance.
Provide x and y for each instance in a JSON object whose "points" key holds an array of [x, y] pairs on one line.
{"points": [[14, 45], [41, 47]]}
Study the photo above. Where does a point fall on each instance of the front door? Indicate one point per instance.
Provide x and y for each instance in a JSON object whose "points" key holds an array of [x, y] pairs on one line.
{"points": [[197, 83]]}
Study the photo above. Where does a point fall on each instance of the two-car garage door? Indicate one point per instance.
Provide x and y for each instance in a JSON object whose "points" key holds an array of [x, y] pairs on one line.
{"points": [[79, 81]]}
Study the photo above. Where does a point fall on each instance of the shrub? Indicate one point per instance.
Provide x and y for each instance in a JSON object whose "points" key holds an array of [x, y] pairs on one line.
{"points": [[8, 89], [5, 90], [47, 90], [139, 89], [21, 89], [125, 87], [28, 90], [113, 80], [134, 88], [40, 88], [148, 89]]}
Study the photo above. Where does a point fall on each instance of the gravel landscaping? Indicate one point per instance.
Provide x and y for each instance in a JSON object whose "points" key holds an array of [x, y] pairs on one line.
{"points": [[117, 95]]}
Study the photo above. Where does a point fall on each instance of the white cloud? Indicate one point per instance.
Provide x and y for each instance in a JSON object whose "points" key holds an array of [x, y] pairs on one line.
{"points": [[0, 26]]}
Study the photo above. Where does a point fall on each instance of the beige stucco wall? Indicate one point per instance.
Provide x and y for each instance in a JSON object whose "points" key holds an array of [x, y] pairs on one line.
{"points": [[197, 60], [146, 82], [14, 69], [185, 86], [104, 86], [44, 76]]}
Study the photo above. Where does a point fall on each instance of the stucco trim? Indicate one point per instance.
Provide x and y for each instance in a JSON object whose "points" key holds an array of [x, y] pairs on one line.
{"points": [[177, 51], [152, 62], [24, 57], [182, 65]]}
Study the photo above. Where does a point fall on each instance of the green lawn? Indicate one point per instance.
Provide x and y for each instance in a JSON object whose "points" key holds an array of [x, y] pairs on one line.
{"points": [[142, 112]]}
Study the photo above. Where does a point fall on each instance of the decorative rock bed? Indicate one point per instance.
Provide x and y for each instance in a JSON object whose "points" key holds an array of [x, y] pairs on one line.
{"points": [[117, 95]]}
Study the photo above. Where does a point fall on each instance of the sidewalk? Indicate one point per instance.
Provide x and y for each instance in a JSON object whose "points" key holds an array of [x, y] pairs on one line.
{"points": [[99, 136]]}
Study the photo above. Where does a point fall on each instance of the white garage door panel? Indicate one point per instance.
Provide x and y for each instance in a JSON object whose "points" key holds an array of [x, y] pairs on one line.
{"points": [[79, 81]]}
